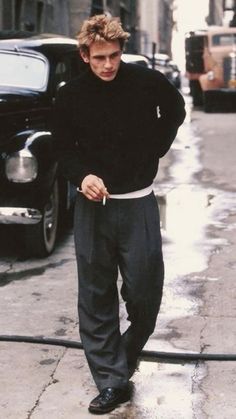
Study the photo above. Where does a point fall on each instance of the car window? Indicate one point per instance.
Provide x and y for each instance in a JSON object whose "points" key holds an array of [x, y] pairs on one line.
{"points": [[23, 70], [62, 72], [224, 39], [66, 68]]}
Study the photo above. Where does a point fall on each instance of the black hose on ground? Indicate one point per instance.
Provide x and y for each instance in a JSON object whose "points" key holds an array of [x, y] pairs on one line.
{"points": [[146, 355]]}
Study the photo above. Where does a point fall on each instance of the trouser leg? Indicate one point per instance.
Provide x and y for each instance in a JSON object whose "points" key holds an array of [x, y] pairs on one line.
{"points": [[142, 269], [98, 303]]}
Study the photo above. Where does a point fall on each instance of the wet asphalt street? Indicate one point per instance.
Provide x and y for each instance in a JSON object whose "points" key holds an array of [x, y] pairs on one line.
{"points": [[196, 192]]}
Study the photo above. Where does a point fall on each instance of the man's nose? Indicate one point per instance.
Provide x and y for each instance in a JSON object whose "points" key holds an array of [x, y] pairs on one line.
{"points": [[108, 62]]}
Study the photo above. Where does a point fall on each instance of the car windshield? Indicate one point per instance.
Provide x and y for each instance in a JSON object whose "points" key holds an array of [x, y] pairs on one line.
{"points": [[224, 39], [23, 70]]}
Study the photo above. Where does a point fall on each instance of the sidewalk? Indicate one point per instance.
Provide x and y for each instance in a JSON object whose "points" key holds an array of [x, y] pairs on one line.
{"points": [[39, 298]]}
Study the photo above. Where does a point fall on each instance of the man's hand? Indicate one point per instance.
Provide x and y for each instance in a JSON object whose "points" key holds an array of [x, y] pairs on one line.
{"points": [[93, 188]]}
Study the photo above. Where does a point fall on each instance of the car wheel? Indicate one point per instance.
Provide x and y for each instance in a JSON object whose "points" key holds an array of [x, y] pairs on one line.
{"points": [[40, 239]]}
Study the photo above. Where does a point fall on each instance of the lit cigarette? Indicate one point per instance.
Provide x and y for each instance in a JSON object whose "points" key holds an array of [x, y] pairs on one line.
{"points": [[104, 200]]}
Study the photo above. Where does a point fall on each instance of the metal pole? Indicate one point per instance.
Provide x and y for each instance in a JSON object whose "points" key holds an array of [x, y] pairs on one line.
{"points": [[153, 55]]}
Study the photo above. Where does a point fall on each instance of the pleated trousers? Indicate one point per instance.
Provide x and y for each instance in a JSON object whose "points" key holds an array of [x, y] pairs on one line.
{"points": [[123, 235]]}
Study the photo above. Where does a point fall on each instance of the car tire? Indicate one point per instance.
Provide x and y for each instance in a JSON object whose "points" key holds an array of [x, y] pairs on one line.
{"points": [[40, 239]]}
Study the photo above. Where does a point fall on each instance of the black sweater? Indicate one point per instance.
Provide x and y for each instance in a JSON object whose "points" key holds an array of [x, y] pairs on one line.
{"points": [[116, 130]]}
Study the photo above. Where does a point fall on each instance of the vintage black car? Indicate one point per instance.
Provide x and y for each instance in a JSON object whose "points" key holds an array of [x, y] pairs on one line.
{"points": [[165, 65], [32, 191]]}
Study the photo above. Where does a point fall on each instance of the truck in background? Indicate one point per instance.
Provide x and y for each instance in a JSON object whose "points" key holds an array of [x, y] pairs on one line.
{"points": [[211, 68]]}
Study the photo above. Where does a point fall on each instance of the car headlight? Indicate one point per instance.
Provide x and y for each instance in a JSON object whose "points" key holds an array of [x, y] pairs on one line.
{"points": [[175, 74], [21, 167]]}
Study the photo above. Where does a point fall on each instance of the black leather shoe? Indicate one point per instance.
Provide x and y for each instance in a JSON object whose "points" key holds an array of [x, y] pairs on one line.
{"points": [[109, 399]]}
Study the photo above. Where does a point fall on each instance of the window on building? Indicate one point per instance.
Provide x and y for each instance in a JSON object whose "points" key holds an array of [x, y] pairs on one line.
{"points": [[7, 15], [125, 16], [18, 13], [29, 16], [97, 7], [229, 4], [49, 19], [39, 16]]}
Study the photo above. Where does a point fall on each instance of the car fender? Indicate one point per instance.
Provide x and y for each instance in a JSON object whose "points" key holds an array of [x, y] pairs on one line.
{"points": [[39, 144]]}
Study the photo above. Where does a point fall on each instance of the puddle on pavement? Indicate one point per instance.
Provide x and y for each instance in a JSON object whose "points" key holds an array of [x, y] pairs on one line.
{"points": [[190, 216], [187, 219], [161, 391], [188, 210], [167, 382]]}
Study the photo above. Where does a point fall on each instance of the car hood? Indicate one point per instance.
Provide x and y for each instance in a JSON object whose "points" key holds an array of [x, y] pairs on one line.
{"points": [[16, 100]]}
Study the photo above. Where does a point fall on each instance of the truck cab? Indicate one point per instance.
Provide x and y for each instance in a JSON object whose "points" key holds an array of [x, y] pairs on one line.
{"points": [[211, 68]]}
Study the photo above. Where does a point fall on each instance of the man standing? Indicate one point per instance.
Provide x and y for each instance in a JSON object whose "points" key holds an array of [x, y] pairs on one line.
{"points": [[112, 125]]}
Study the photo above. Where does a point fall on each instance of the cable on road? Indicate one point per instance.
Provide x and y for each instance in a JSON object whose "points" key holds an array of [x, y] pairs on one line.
{"points": [[146, 355]]}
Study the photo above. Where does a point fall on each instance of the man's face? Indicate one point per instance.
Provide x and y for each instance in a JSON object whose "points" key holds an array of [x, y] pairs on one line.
{"points": [[104, 59]]}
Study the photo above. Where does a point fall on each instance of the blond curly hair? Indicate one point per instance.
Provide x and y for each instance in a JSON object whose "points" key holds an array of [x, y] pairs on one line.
{"points": [[101, 28]]}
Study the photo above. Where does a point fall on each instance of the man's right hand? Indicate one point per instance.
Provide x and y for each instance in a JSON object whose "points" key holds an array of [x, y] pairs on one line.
{"points": [[93, 188]]}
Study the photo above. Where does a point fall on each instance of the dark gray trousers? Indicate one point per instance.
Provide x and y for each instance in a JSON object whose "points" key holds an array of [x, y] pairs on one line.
{"points": [[124, 234]]}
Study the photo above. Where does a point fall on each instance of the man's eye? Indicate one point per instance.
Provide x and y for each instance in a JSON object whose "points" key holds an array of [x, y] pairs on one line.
{"points": [[115, 55], [103, 57]]}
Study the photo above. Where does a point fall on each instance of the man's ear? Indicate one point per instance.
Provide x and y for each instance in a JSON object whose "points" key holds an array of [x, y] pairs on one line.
{"points": [[84, 56]]}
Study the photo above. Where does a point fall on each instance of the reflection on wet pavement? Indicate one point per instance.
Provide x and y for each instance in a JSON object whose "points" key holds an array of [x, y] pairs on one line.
{"points": [[188, 209], [163, 392], [188, 219], [190, 214]]}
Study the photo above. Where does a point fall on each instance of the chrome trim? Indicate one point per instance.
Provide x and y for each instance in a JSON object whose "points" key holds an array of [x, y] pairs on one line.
{"points": [[14, 215], [32, 137]]}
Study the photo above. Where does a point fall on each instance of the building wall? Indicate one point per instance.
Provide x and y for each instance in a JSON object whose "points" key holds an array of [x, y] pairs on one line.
{"points": [[78, 12], [219, 15], [35, 15], [165, 25], [126, 10], [215, 16], [148, 26], [156, 24], [65, 16], [1, 22]]}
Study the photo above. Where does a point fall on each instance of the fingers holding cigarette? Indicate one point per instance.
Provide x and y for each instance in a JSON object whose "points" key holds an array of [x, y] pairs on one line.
{"points": [[94, 189]]}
